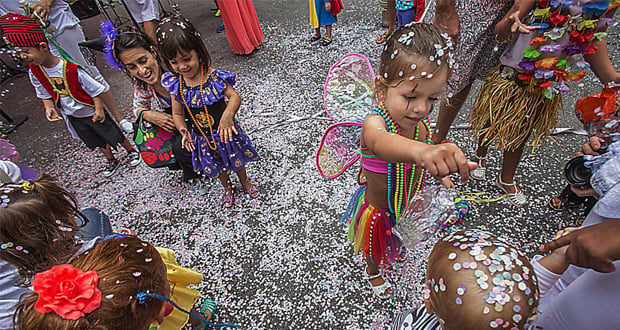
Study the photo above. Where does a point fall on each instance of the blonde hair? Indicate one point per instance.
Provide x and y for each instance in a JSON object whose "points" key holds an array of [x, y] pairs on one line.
{"points": [[476, 281], [412, 52]]}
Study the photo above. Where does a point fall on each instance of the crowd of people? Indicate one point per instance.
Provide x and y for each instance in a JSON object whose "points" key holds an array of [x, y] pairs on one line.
{"points": [[66, 268]]}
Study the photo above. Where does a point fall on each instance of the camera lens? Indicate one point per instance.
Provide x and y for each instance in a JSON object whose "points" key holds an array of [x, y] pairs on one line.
{"points": [[576, 172]]}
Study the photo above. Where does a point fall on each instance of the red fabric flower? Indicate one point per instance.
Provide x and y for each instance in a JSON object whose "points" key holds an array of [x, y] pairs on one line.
{"points": [[581, 37], [545, 84], [557, 18], [544, 3], [591, 50], [68, 291]]}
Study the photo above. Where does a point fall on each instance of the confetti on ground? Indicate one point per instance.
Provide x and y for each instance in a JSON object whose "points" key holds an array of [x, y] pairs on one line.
{"points": [[281, 261]]}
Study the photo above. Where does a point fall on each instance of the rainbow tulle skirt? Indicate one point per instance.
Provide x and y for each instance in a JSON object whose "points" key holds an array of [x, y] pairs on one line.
{"points": [[370, 230]]}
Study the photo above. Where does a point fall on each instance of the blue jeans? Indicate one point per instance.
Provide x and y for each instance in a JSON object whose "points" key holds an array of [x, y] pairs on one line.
{"points": [[98, 224], [405, 16]]}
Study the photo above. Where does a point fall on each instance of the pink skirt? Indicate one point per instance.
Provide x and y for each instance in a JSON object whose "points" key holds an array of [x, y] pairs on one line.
{"points": [[242, 27]]}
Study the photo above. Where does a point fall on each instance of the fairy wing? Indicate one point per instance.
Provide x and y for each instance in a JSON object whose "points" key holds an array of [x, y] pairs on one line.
{"points": [[348, 90], [339, 149], [347, 98]]}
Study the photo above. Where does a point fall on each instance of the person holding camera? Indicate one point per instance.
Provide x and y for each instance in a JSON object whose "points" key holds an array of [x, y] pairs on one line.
{"points": [[587, 294]]}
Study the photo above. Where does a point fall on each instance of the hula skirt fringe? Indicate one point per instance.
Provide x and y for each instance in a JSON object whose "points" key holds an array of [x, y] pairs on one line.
{"points": [[506, 113], [370, 230], [230, 156], [179, 278]]}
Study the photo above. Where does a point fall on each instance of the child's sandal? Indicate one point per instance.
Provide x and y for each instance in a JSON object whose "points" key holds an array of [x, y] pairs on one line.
{"points": [[383, 291], [253, 190], [207, 305], [228, 199]]}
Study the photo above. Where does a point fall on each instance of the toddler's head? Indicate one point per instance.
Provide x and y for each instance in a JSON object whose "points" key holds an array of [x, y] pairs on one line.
{"points": [[181, 45], [23, 34], [102, 286], [415, 65], [476, 281], [37, 225]]}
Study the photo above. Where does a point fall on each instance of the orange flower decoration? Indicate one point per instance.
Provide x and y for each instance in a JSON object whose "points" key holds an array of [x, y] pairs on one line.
{"points": [[546, 63], [537, 41]]}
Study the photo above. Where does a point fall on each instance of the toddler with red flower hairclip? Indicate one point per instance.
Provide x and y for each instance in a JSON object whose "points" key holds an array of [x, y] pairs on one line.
{"points": [[121, 283], [523, 94]]}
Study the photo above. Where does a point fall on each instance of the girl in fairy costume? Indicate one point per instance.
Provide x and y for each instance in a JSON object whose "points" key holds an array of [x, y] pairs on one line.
{"points": [[396, 151], [523, 94], [204, 104]]}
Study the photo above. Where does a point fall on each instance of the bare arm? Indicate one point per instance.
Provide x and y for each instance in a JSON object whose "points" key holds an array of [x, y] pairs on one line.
{"points": [[439, 160], [447, 18], [99, 115], [50, 110], [601, 65], [178, 116], [226, 127], [511, 23]]}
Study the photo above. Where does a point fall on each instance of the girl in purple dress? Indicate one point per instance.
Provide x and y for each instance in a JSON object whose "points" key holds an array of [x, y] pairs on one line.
{"points": [[204, 104]]}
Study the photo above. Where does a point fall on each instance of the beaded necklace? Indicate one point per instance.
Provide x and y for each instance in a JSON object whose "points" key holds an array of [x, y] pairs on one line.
{"points": [[211, 146], [400, 191]]}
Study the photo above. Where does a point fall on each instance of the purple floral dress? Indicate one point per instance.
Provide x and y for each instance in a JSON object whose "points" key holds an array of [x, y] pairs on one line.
{"points": [[206, 104]]}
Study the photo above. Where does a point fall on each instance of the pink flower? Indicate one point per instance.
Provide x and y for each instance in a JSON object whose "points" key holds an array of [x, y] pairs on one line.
{"points": [[68, 291]]}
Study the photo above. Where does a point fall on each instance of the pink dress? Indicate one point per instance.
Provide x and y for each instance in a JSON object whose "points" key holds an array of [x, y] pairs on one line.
{"points": [[242, 27]]}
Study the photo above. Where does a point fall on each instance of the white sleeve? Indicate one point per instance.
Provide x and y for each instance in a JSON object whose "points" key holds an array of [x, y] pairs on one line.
{"points": [[546, 278], [38, 87], [91, 86]]}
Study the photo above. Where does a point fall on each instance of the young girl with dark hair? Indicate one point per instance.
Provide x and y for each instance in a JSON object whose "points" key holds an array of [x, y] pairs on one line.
{"points": [[204, 105]]}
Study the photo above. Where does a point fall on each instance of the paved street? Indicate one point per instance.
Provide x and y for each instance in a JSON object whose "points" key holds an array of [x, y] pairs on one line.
{"points": [[282, 261]]}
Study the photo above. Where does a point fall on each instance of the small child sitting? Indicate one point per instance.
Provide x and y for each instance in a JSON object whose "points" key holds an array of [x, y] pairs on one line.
{"points": [[474, 281], [63, 84]]}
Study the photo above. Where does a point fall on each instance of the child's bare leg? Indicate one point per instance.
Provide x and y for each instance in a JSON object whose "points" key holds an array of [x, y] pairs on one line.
{"points": [[509, 168], [372, 268], [110, 103], [317, 32], [107, 152], [448, 110], [127, 145], [481, 153], [328, 32], [228, 199], [243, 177]]}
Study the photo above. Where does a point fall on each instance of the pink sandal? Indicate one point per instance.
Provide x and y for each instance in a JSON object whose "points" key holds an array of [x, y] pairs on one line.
{"points": [[228, 199], [253, 190]]}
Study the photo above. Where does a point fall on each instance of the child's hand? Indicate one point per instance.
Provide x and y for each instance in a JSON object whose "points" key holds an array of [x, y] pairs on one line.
{"points": [[186, 139], [328, 6], [446, 182], [99, 116], [443, 159], [226, 129], [518, 26], [52, 115]]}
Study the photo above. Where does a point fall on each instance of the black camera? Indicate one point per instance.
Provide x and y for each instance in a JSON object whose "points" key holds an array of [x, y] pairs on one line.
{"points": [[576, 172]]}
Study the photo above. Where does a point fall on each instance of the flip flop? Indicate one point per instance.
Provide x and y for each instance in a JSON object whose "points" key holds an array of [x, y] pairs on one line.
{"points": [[315, 38], [326, 42]]}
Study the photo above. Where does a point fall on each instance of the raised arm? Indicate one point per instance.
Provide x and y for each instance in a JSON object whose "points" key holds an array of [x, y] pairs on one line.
{"points": [[439, 160]]}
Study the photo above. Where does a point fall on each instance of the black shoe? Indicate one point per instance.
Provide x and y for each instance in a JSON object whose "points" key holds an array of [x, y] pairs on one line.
{"points": [[315, 38], [110, 167]]}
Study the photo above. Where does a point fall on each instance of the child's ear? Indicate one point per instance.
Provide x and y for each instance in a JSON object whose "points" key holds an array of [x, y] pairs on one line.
{"points": [[44, 46]]}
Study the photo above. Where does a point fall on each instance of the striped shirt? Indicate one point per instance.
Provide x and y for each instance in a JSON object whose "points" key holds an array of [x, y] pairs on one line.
{"points": [[416, 319]]}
